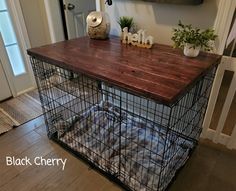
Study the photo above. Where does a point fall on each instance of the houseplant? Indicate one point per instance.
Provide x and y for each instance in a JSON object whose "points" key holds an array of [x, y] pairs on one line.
{"points": [[192, 40], [126, 22]]}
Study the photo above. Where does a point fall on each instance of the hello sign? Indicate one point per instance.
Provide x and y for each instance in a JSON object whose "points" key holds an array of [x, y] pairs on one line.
{"points": [[138, 39]]}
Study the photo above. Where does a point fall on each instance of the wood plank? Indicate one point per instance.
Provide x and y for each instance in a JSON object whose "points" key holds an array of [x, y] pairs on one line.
{"points": [[161, 73], [20, 131], [12, 146], [74, 168], [30, 176], [34, 104], [19, 145], [77, 176], [88, 184], [41, 130], [33, 144]]}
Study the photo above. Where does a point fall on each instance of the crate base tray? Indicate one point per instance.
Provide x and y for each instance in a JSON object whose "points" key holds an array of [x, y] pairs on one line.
{"points": [[109, 176], [91, 165], [112, 139]]}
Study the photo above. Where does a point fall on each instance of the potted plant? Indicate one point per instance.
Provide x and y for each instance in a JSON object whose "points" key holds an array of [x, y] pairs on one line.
{"points": [[125, 21], [192, 40]]}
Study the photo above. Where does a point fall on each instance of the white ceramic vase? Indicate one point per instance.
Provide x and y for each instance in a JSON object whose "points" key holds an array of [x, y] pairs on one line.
{"points": [[191, 51]]}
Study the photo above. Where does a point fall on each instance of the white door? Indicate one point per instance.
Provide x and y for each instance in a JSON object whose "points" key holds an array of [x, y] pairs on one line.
{"points": [[76, 12], [13, 48], [5, 91]]}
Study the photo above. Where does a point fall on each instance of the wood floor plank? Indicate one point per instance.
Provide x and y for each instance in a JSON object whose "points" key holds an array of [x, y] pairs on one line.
{"points": [[19, 145], [41, 130], [9, 172], [85, 181], [27, 100], [77, 177], [30, 140], [19, 132], [22, 108], [27, 179], [74, 168]]}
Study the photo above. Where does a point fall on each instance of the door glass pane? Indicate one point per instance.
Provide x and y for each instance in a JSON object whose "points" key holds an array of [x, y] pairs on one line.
{"points": [[3, 5], [15, 59], [6, 29], [10, 41]]}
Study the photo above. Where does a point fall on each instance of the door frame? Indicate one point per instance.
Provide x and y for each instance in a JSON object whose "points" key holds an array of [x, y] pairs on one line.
{"points": [[55, 19], [15, 12], [222, 26], [7, 68], [7, 92]]}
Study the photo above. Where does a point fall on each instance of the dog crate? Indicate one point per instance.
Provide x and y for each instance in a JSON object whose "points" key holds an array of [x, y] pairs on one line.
{"points": [[135, 140]]}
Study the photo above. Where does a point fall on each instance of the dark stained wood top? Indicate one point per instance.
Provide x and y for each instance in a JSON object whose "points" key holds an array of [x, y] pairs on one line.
{"points": [[161, 73]]}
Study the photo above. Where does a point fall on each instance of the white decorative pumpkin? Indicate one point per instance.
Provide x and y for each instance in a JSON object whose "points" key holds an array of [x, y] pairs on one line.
{"points": [[98, 25]]}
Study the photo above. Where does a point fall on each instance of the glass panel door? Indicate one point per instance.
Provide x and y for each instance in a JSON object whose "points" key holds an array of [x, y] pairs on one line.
{"points": [[13, 44], [10, 41]]}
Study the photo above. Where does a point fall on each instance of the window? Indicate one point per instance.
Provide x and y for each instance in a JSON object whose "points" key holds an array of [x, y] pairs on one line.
{"points": [[10, 40]]}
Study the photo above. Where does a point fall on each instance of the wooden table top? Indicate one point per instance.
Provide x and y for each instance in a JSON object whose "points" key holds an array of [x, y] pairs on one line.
{"points": [[160, 73]]}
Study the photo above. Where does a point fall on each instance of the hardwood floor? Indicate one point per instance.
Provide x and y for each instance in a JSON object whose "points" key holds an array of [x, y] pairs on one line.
{"points": [[18, 110], [211, 167], [30, 140], [22, 108]]}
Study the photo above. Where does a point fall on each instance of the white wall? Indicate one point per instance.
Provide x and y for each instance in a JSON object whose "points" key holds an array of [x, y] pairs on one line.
{"points": [[36, 22], [159, 19], [53, 13]]}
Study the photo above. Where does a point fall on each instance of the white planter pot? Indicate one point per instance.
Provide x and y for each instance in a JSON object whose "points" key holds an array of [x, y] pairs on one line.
{"points": [[191, 51]]}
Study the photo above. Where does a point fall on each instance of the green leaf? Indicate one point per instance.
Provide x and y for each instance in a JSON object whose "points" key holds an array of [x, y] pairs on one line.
{"points": [[125, 21], [195, 36]]}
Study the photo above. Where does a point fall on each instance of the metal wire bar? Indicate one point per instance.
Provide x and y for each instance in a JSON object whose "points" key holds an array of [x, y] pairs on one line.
{"points": [[138, 141]]}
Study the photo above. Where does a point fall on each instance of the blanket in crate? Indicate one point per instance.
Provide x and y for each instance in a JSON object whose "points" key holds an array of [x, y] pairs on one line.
{"points": [[134, 149]]}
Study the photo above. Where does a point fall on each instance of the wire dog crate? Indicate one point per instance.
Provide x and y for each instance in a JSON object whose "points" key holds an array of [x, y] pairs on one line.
{"points": [[138, 141]]}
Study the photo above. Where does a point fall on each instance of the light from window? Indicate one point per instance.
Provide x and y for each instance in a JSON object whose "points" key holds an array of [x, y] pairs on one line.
{"points": [[10, 41]]}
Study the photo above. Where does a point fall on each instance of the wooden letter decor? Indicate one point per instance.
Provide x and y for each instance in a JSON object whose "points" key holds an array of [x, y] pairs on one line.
{"points": [[138, 39]]}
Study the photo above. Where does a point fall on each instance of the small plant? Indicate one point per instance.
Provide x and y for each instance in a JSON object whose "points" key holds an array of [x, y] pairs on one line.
{"points": [[126, 22], [194, 36]]}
